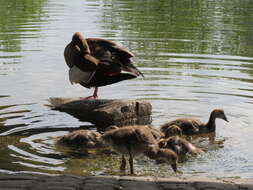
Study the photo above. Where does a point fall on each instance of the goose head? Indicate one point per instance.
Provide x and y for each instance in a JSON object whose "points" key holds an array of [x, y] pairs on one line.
{"points": [[219, 113], [79, 41]]}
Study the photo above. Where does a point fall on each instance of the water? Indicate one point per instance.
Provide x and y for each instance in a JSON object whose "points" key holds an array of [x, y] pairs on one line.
{"points": [[195, 55]]}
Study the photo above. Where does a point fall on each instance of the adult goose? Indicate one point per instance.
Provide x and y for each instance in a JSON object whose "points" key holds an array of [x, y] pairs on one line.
{"points": [[95, 62], [191, 126], [136, 140]]}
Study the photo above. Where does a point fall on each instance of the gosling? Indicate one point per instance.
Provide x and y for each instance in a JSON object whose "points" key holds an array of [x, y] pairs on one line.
{"points": [[172, 130], [179, 145], [194, 126], [85, 139], [136, 140]]}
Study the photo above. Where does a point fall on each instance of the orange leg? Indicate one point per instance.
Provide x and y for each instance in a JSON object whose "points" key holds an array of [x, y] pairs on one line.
{"points": [[95, 93], [94, 96]]}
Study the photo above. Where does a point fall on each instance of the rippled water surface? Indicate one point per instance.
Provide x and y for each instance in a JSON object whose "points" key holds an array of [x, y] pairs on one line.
{"points": [[195, 55]]}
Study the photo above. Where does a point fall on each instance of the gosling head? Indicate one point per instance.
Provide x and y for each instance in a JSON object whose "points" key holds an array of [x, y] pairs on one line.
{"points": [[80, 41], [171, 143], [162, 143], [219, 113], [173, 130], [168, 156]]}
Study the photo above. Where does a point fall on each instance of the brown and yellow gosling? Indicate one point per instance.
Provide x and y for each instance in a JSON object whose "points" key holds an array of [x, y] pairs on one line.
{"points": [[136, 140], [155, 132], [179, 145], [194, 126], [81, 139], [172, 130]]}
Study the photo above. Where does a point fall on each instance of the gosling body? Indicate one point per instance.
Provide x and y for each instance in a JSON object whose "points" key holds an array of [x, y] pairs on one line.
{"points": [[191, 126], [179, 145], [136, 140], [81, 139]]}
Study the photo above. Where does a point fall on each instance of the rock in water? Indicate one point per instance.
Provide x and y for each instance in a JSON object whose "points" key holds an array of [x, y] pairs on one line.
{"points": [[105, 112]]}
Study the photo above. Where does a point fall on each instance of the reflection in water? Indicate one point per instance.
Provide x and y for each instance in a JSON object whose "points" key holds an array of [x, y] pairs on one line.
{"points": [[184, 27], [195, 55], [7, 116], [31, 157], [17, 19]]}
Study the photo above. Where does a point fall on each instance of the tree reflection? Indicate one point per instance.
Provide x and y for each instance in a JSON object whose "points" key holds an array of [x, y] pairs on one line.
{"points": [[16, 19], [188, 26]]}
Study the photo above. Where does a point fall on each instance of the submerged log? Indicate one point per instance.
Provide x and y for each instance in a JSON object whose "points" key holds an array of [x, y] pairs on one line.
{"points": [[105, 112]]}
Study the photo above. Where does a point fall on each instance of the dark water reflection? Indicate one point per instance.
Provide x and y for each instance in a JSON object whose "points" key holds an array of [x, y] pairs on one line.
{"points": [[196, 56]]}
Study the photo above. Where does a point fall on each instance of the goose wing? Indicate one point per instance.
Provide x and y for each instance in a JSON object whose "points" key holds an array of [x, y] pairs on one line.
{"points": [[74, 56], [113, 58]]}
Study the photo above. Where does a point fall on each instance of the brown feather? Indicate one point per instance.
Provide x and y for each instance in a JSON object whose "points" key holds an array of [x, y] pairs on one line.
{"points": [[191, 126]]}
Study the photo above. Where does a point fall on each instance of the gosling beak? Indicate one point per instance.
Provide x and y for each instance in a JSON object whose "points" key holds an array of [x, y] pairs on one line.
{"points": [[225, 118], [174, 167]]}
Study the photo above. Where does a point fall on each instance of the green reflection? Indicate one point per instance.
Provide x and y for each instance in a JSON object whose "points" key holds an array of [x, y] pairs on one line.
{"points": [[16, 19], [5, 159], [187, 26]]}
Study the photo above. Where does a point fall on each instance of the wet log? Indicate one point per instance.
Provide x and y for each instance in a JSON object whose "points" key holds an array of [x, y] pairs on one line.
{"points": [[105, 112]]}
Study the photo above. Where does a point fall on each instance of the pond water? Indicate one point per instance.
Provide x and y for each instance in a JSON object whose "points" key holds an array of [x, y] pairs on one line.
{"points": [[195, 55]]}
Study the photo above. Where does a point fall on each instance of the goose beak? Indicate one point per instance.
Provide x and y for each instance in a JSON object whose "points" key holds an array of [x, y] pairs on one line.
{"points": [[225, 118], [174, 167], [132, 69]]}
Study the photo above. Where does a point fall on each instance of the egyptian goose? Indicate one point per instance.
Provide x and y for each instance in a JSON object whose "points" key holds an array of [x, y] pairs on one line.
{"points": [[95, 62]]}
